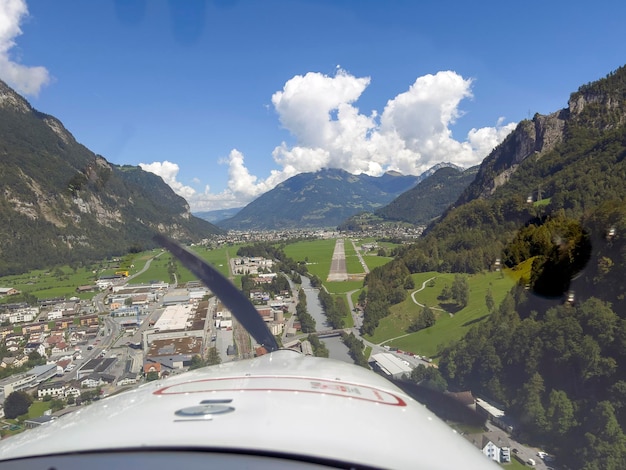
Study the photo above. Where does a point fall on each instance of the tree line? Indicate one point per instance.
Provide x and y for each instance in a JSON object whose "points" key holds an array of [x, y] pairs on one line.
{"points": [[556, 371]]}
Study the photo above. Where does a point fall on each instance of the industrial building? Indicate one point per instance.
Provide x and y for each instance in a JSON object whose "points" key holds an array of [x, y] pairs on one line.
{"points": [[174, 318], [389, 365]]}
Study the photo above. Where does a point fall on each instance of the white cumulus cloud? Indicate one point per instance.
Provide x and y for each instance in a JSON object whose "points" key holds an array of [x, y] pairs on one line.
{"points": [[26, 80], [169, 171], [410, 135]]}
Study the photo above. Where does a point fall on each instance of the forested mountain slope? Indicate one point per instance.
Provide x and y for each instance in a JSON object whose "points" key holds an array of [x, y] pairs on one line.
{"points": [[61, 203], [430, 197], [551, 197]]}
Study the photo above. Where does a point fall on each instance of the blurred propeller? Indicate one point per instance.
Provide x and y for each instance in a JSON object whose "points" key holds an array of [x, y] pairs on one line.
{"points": [[231, 297]]}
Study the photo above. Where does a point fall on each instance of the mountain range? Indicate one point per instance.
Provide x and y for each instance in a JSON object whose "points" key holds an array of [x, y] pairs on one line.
{"points": [[328, 197], [324, 198], [216, 216], [61, 203]]}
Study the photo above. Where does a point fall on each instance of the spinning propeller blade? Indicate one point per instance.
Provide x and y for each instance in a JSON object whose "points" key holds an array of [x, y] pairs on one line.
{"points": [[231, 297]]}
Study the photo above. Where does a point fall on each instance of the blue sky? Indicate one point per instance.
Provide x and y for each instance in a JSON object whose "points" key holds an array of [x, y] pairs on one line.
{"points": [[225, 99]]}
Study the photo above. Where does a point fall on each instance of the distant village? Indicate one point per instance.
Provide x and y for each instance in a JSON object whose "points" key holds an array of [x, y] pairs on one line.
{"points": [[401, 232]]}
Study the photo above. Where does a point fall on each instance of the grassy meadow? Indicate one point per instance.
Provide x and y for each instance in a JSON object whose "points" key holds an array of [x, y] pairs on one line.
{"points": [[449, 327], [57, 282]]}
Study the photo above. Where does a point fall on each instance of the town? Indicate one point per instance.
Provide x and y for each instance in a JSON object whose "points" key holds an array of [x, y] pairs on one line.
{"points": [[128, 333]]}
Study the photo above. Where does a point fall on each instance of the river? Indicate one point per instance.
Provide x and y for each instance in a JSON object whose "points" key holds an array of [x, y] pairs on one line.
{"points": [[336, 348]]}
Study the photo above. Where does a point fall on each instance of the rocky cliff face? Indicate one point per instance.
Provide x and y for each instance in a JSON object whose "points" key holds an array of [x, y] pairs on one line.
{"points": [[592, 105]]}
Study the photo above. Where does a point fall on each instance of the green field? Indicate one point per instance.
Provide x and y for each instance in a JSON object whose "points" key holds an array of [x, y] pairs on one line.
{"points": [[158, 270], [514, 465], [37, 408], [448, 327], [158, 266], [373, 261], [62, 281], [218, 257], [341, 287], [317, 254], [58, 282]]}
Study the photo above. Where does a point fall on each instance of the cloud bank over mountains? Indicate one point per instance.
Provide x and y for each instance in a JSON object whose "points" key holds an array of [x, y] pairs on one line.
{"points": [[410, 135]]}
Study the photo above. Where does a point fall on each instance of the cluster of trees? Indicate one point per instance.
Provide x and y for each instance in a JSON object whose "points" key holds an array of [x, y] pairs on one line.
{"points": [[278, 284], [319, 348], [17, 404], [262, 249], [335, 308], [275, 252], [428, 377], [458, 293], [316, 282], [356, 348], [307, 322], [386, 286], [556, 370], [213, 358], [425, 319], [57, 404], [173, 270]]}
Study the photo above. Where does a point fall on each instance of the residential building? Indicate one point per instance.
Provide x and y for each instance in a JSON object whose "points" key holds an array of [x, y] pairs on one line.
{"points": [[51, 389], [151, 366], [36, 422], [496, 447], [35, 347], [5, 291], [72, 390], [128, 378]]}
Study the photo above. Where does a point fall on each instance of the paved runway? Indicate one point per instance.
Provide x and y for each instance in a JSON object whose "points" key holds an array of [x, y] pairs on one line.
{"points": [[338, 269]]}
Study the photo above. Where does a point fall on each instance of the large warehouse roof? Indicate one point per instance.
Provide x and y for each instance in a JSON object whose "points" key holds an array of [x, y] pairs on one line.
{"points": [[174, 318], [391, 365]]}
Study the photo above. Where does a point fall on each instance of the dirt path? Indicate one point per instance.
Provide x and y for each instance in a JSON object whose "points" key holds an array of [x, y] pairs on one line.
{"points": [[420, 290]]}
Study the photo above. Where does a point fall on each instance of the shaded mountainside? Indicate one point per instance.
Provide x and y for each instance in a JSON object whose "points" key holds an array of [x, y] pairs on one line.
{"points": [[61, 203], [317, 200], [217, 215], [550, 200], [430, 198]]}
